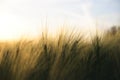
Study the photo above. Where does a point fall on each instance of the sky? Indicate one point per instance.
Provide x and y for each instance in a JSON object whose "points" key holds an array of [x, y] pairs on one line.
{"points": [[29, 17]]}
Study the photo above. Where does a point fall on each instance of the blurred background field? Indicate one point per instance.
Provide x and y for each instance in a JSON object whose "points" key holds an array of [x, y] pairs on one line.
{"points": [[64, 57]]}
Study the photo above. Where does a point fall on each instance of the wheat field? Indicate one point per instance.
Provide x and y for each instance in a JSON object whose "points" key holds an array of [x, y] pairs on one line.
{"points": [[62, 58]]}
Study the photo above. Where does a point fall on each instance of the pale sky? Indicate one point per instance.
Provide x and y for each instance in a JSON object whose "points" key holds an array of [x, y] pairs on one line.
{"points": [[29, 17]]}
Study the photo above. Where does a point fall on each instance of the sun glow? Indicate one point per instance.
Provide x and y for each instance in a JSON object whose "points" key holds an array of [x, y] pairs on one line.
{"points": [[15, 26], [29, 18]]}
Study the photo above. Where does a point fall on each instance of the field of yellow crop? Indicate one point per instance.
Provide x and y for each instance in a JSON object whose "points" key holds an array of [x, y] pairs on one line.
{"points": [[62, 58]]}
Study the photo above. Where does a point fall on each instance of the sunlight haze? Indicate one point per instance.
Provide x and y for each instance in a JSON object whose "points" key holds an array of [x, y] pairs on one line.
{"points": [[29, 17]]}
